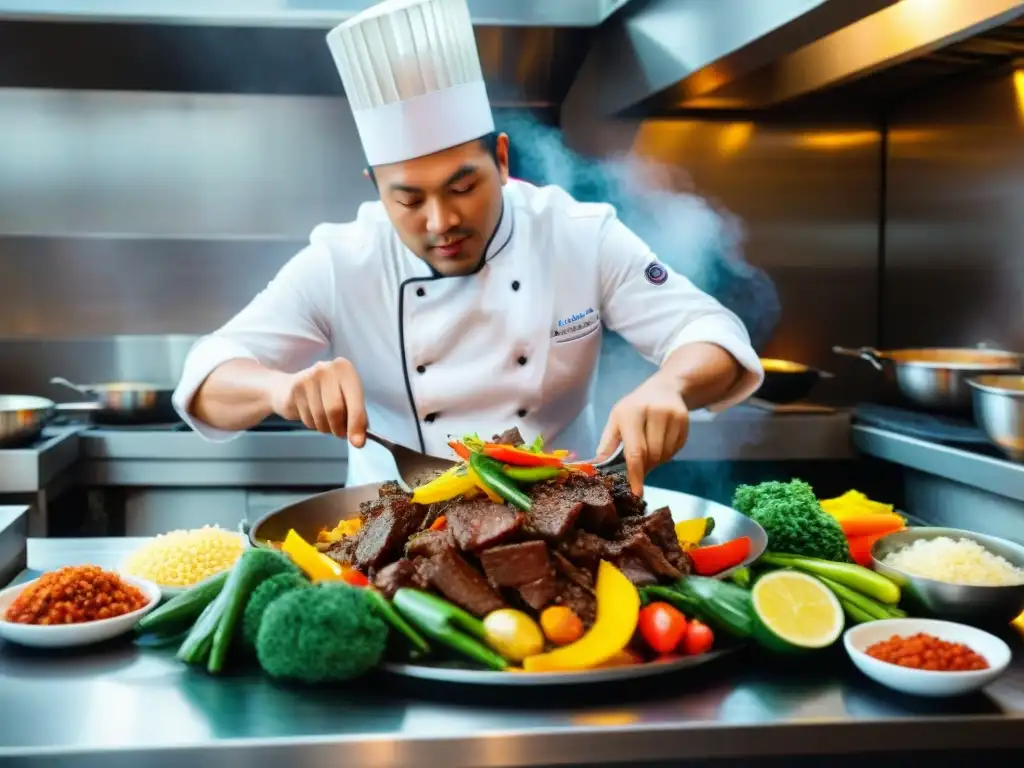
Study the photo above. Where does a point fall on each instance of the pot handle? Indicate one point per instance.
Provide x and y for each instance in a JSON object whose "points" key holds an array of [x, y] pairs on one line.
{"points": [[60, 381], [864, 353], [78, 407]]}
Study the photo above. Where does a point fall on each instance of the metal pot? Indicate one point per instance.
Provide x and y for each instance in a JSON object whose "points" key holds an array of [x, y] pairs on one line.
{"points": [[127, 402], [936, 378], [22, 417], [787, 382], [999, 412]]}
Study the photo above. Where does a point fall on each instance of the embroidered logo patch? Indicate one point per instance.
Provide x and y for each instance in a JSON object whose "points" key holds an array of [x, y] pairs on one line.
{"points": [[655, 273], [576, 325]]}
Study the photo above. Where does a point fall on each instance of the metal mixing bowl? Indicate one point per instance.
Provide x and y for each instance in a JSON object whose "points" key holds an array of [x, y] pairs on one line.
{"points": [[999, 411], [955, 602]]}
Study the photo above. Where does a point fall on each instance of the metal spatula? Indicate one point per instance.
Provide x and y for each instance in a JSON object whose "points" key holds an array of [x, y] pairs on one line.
{"points": [[414, 468]]}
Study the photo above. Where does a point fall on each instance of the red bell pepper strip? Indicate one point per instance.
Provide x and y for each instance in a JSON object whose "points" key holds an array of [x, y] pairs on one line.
{"points": [[587, 469], [353, 577], [460, 450], [517, 457], [707, 561], [439, 524], [860, 548]]}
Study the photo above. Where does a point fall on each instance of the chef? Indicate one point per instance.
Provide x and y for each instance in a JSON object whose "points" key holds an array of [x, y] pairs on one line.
{"points": [[461, 301]]}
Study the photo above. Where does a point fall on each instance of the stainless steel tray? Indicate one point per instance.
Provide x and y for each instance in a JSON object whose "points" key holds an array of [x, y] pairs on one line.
{"points": [[729, 524]]}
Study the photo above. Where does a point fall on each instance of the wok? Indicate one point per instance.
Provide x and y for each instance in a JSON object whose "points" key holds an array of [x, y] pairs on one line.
{"points": [[787, 382], [125, 403], [310, 516], [936, 378]]}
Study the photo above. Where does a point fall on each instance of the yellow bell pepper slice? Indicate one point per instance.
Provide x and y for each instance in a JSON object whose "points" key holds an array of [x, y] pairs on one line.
{"points": [[315, 564], [457, 481], [618, 609], [1018, 624], [690, 532]]}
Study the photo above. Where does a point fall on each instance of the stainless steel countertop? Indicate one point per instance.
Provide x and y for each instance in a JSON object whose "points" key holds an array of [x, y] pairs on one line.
{"points": [[119, 706], [991, 473]]}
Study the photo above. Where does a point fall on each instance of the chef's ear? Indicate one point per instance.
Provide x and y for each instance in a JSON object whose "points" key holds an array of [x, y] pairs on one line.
{"points": [[501, 156]]}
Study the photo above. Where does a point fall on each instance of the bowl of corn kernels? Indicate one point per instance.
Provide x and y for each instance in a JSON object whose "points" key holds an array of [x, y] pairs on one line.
{"points": [[178, 560]]}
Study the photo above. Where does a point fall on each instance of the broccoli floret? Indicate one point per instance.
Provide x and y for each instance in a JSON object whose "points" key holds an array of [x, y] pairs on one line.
{"points": [[793, 519], [261, 598], [326, 633]]}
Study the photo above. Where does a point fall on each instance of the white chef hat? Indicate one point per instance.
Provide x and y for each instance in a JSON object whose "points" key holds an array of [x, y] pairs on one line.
{"points": [[412, 75]]}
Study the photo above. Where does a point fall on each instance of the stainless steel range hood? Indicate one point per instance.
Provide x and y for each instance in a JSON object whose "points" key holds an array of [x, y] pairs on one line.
{"points": [[667, 55], [300, 13]]}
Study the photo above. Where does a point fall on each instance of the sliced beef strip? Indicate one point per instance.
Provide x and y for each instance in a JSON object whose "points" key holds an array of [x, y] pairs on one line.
{"points": [[661, 529], [383, 536], [598, 514], [401, 573], [513, 565], [343, 551], [578, 600], [509, 437], [429, 543], [481, 523], [461, 583], [539, 593], [635, 570], [576, 575], [553, 511], [627, 504]]}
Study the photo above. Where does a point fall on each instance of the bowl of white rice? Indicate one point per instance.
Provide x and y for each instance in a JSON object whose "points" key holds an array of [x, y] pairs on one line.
{"points": [[954, 574]]}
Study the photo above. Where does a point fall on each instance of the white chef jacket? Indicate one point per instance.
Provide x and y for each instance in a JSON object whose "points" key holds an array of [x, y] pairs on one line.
{"points": [[514, 344]]}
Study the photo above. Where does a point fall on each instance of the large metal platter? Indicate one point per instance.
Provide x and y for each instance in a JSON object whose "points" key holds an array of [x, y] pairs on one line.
{"points": [[311, 515]]}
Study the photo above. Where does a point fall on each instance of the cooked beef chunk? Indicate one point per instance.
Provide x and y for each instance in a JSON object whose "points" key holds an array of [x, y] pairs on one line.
{"points": [[627, 504], [653, 558], [662, 531], [576, 575], [578, 600], [480, 523], [513, 565], [553, 510], [598, 514], [344, 550], [429, 543], [509, 437], [584, 549], [383, 536], [634, 569], [461, 583], [401, 573], [390, 489], [540, 592]]}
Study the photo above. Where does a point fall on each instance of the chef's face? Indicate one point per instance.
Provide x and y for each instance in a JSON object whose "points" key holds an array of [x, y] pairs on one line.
{"points": [[446, 206]]}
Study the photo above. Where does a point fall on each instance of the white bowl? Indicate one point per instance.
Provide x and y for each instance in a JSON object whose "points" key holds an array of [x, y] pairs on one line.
{"points": [[922, 682], [69, 635]]}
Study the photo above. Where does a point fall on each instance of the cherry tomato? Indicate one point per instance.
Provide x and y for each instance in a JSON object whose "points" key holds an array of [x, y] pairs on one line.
{"points": [[699, 638], [662, 626]]}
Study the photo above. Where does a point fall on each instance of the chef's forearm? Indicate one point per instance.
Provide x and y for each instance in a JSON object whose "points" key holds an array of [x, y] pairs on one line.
{"points": [[236, 396], [704, 373]]}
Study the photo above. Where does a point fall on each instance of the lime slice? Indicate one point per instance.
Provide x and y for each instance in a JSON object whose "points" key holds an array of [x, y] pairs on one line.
{"points": [[795, 611]]}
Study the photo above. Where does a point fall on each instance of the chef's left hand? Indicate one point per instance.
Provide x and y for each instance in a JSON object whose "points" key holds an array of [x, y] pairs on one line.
{"points": [[652, 423]]}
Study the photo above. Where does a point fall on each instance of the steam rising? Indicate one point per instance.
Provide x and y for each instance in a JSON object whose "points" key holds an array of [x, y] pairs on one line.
{"points": [[682, 228]]}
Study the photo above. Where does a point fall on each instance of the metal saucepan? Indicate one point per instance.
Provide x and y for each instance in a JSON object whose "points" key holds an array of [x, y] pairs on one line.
{"points": [[22, 417], [127, 402], [936, 378], [999, 411], [787, 382]]}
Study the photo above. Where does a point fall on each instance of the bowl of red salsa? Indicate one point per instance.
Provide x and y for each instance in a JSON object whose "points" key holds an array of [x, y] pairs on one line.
{"points": [[927, 657]]}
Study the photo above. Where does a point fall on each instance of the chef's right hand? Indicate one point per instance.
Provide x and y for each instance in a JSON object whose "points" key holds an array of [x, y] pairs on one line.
{"points": [[327, 397]]}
